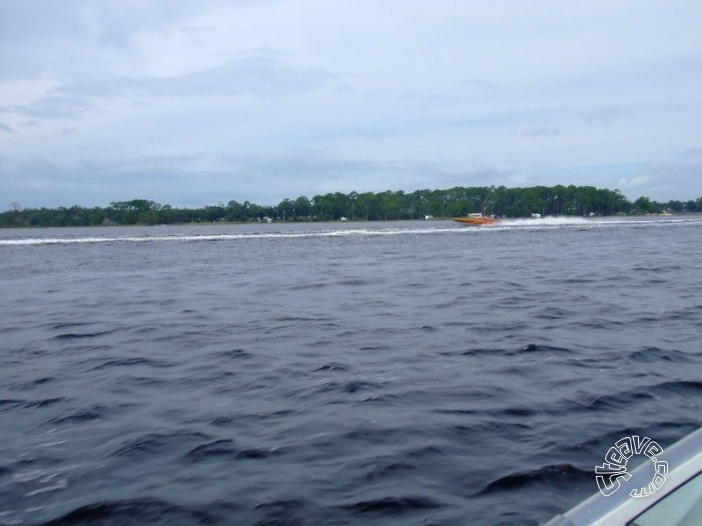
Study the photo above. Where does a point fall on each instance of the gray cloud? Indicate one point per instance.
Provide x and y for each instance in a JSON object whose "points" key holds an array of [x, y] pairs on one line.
{"points": [[39, 182], [44, 37], [692, 153], [195, 102], [634, 182], [547, 131], [483, 84], [603, 115], [306, 174], [109, 22], [257, 76], [180, 180], [51, 107], [672, 180]]}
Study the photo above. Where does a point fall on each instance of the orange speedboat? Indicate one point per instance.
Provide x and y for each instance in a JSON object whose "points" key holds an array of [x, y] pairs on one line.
{"points": [[475, 220]]}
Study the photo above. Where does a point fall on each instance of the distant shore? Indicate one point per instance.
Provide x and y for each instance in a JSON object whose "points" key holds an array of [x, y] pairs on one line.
{"points": [[567, 201]]}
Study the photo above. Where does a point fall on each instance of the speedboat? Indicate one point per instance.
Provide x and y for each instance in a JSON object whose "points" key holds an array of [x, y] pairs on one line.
{"points": [[672, 497], [475, 220]]}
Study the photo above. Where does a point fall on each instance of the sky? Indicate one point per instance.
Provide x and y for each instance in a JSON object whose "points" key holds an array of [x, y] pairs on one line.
{"points": [[198, 103]]}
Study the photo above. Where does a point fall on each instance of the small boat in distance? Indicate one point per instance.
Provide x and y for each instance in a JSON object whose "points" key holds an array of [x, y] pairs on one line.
{"points": [[477, 219]]}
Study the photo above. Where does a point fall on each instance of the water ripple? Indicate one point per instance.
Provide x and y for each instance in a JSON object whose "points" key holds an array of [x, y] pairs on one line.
{"points": [[393, 373]]}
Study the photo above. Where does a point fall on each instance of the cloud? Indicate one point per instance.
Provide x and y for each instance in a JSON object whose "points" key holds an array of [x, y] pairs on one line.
{"points": [[51, 107], [519, 179], [633, 182], [40, 182], [692, 154], [5, 128], [672, 180], [551, 131], [256, 76], [260, 100], [185, 180], [436, 177], [603, 115], [483, 84], [105, 21], [50, 38]]}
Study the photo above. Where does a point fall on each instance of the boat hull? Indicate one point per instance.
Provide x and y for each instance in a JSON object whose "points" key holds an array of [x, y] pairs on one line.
{"points": [[475, 221]]}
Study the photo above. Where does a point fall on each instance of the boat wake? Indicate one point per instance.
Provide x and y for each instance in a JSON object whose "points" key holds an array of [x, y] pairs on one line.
{"points": [[292, 231], [550, 221]]}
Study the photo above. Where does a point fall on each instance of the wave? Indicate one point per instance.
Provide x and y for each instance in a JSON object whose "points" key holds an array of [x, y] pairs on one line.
{"points": [[393, 505], [374, 230], [127, 362], [548, 221], [133, 511], [654, 355], [225, 237], [625, 399], [225, 448], [7, 404], [77, 335], [530, 348], [93, 414], [554, 474], [153, 443]]}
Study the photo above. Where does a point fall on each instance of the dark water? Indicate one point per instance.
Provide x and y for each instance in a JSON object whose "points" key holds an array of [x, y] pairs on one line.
{"points": [[387, 373]]}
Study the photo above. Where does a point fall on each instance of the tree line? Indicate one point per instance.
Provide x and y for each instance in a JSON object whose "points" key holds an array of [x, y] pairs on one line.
{"points": [[459, 201]]}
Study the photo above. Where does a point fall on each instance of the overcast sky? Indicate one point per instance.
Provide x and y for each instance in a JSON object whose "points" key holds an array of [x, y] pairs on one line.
{"points": [[194, 103]]}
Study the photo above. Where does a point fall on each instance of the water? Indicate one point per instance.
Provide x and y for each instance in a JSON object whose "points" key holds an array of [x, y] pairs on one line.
{"points": [[372, 373]]}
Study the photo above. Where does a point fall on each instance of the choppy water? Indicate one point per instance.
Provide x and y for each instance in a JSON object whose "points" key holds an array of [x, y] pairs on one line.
{"points": [[379, 373]]}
